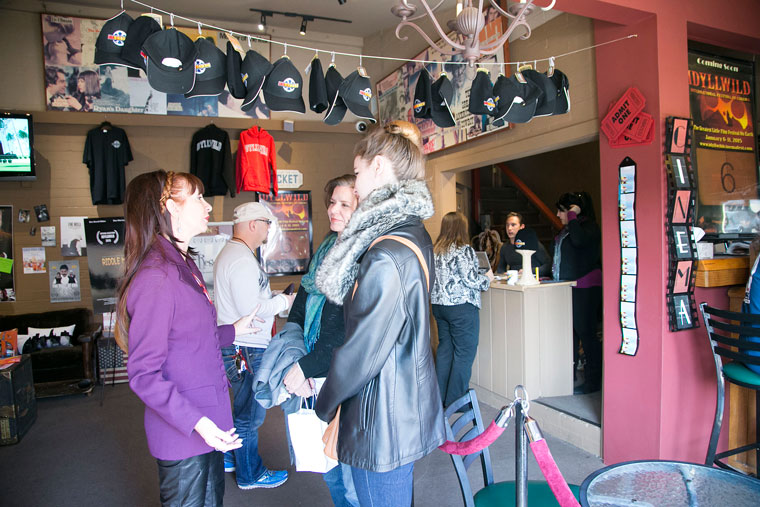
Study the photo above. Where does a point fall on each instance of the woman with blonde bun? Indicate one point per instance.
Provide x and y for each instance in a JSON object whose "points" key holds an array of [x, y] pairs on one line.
{"points": [[381, 270]]}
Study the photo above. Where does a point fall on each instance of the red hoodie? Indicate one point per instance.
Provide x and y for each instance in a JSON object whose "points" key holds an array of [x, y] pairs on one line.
{"points": [[256, 162]]}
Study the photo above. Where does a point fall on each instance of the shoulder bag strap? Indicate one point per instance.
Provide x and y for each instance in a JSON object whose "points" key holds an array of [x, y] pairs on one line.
{"points": [[412, 246]]}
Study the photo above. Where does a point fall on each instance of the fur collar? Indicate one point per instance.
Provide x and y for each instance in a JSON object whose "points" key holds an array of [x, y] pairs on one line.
{"points": [[383, 210]]}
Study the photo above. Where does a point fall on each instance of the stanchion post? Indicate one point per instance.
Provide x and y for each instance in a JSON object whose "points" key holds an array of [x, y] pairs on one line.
{"points": [[521, 458]]}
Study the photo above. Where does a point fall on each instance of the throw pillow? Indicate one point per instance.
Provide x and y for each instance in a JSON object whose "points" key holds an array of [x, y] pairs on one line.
{"points": [[42, 331]]}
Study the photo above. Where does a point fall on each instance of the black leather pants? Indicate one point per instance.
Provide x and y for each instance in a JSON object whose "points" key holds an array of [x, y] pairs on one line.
{"points": [[191, 482]]}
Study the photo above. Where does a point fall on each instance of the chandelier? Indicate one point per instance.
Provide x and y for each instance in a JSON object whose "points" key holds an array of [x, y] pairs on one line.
{"points": [[467, 26]]}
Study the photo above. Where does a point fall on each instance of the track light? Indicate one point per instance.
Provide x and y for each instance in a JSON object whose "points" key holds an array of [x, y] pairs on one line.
{"points": [[263, 22], [341, 2], [303, 26]]}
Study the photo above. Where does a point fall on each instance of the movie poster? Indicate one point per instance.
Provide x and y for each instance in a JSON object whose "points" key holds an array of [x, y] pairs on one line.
{"points": [[73, 82], [289, 245], [723, 144], [72, 237], [33, 259], [105, 259], [207, 246], [395, 93], [7, 289], [64, 281]]}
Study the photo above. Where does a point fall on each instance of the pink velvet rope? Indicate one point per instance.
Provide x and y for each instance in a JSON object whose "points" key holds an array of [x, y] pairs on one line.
{"points": [[477, 444], [552, 474]]}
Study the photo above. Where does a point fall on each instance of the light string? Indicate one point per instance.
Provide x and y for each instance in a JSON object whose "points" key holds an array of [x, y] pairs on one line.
{"points": [[374, 57]]}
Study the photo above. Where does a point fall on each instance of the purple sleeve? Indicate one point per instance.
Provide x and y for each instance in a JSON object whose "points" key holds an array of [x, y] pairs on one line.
{"points": [[151, 308], [226, 334]]}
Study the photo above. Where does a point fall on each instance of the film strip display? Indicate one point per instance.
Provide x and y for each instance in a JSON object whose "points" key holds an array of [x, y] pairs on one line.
{"points": [[682, 308], [628, 256]]}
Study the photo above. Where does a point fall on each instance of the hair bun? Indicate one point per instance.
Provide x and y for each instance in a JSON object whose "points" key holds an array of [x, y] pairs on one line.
{"points": [[407, 130]]}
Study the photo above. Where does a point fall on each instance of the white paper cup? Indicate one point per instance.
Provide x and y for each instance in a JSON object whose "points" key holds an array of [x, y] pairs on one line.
{"points": [[512, 277]]}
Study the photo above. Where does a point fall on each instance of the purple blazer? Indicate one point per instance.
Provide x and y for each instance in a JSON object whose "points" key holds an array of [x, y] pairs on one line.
{"points": [[175, 363]]}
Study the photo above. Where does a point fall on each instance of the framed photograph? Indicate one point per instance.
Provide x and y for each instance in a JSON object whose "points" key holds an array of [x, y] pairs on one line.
{"points": [[289, 245]]}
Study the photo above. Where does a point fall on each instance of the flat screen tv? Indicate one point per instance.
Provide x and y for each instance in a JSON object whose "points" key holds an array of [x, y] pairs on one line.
{"points": [[16, 147]]}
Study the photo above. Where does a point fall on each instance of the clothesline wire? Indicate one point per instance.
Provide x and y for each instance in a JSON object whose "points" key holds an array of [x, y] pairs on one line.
{"points": [[375, 57]]}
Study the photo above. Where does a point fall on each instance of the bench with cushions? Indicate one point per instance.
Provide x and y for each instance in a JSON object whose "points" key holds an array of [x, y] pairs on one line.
{"points": [[62, 369]]}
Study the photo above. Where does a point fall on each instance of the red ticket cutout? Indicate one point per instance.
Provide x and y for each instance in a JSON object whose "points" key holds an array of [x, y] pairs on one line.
{"points": [[623, 112]]}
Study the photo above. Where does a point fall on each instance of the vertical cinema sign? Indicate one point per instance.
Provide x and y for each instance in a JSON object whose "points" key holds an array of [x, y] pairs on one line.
{"points": [[682, 309]]}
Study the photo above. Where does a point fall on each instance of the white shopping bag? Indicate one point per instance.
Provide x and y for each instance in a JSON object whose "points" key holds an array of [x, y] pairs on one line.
{"points": [[306, 431]]}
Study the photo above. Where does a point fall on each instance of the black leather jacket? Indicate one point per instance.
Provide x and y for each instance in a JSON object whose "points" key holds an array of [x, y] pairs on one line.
{"points": [[384, 375]]}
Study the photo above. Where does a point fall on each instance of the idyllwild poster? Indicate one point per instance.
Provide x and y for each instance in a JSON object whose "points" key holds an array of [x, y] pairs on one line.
{"points": [[289, 251], [721, 92]]}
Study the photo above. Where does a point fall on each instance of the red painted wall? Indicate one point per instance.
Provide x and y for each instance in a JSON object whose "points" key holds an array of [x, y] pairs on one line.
{"points": [[660, 403]]}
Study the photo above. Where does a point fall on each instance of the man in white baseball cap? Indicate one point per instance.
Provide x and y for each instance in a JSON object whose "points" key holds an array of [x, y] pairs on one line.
{"points": [[239, 286]]}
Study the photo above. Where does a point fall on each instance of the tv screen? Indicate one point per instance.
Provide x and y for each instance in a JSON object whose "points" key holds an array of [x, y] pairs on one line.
{"points": [[16, 147]]}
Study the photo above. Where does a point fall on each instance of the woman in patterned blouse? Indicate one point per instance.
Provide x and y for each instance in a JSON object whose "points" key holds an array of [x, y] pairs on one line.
{"points": [[456, 302]]}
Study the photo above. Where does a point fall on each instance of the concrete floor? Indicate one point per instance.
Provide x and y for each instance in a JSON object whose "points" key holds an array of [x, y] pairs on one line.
{"points": [[79, 453]]}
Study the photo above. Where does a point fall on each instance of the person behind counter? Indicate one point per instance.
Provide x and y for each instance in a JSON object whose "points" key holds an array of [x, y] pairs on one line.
{"points": [[456, 304], [167, 323], [521, 238], [322, 324], [577, 248], [383, 377]]}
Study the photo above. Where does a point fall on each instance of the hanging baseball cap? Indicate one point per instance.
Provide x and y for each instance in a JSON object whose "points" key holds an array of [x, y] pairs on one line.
{"points": [[210, 70], [110, 41], [356, 92], [253, 71], [318, 101], [545, 105], [442, 93], [526, 239], [481, 94], [562, 103], [170, 61], [517, 101], [337, 109], [142, 28], [422, 95], [234, 76], [283, 87]]}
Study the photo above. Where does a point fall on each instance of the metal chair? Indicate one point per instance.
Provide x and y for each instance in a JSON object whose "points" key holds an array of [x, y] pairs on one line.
{"points": [[470, 424], [732, 336]]}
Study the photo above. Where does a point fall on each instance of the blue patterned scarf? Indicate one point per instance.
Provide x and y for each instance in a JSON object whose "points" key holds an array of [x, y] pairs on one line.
{"points": [[315, 301]]}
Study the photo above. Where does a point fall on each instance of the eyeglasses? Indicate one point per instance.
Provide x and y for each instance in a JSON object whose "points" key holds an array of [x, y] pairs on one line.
{"points": [[265, 220]]}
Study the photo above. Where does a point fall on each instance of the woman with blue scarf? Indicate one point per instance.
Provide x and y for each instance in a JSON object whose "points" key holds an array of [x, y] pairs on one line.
{"points": [[322, 322]]}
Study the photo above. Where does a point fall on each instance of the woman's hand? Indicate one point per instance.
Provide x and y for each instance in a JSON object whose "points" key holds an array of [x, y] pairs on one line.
{"points": [[306, 389], [216, 438], [489, 275], [243, 324], [294, 378], [575, 209]]}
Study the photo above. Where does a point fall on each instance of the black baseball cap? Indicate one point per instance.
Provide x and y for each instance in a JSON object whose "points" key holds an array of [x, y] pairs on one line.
{"points": [[338, 108], [254, 71], [423, 97], [318, 100], [210, 70], [356, 92], [234, 77], [170, 61], [546, 102], [562, 103], [283, 87], [140, 29], [442, 93], [526, 239], [481, 94], [110, 41], [517, 101]]}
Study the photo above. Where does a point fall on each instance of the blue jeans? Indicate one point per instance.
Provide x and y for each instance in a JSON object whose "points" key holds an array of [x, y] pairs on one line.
{"points": [[458, 331], [341, 486], [247, 414], [384, 489]]}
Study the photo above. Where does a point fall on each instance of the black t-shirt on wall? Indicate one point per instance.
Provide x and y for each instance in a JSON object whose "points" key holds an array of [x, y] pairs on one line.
{"points": [[106, 152]]}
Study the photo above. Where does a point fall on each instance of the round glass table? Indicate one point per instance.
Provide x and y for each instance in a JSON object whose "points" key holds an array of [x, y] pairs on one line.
{"points": [[668, 483]]}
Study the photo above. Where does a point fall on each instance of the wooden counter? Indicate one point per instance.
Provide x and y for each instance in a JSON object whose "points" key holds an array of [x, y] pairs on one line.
{"points": [[722, 271], [526, 337]]}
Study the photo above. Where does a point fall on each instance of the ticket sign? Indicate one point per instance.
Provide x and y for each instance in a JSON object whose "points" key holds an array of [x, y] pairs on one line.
{"points": [[289, 178]]}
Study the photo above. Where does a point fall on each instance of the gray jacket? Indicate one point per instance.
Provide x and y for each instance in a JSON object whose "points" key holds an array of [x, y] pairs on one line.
{"points": [[285, 349]]}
